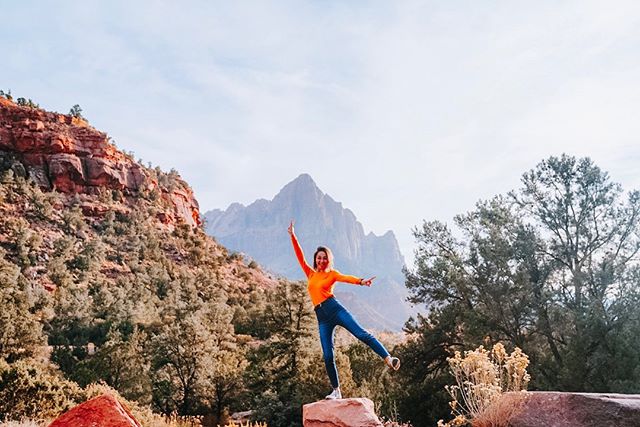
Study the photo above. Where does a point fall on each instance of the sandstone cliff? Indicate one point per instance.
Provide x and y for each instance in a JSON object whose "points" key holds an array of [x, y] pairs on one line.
{"points": [[63, 153], [84, 184]]}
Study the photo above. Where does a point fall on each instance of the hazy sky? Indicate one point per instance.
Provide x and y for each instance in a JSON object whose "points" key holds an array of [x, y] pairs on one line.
{"points": [[401, 110]]}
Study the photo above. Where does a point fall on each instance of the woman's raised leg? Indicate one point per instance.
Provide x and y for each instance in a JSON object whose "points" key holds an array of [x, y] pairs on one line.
{"points": [[347, 321]]}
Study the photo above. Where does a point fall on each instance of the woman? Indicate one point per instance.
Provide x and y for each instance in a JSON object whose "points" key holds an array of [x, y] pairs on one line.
{"points": [[330, 313]]}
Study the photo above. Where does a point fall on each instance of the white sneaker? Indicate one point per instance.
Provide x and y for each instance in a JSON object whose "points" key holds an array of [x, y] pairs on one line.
{"points": [[335, 394]]}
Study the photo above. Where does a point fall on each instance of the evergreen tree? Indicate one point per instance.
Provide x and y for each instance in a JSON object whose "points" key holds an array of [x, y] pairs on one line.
{"points": [[550, 268], [20, 330]]}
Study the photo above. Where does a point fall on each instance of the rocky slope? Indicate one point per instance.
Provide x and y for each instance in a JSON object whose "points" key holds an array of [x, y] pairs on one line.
{"points": [[63, 153], [259, 230], [83, 184]]}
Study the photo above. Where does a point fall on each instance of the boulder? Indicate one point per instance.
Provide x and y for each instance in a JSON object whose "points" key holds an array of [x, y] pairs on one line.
{"points": [[356, 412], [555, 409], [104, 411]]}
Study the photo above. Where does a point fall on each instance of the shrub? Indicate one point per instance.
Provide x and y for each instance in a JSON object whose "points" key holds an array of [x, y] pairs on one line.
{"points": [[76, 111], [482, 377], [232, 424], [32, 391], [27, 103], [6, 94]]}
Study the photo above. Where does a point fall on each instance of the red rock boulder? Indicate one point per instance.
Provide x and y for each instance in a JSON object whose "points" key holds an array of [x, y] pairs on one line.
{"points": [[554, 409], [103, 411], [340, 413]]}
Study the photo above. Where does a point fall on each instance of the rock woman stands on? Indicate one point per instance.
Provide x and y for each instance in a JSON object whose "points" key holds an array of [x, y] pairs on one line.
{"points": [[330, 313]]}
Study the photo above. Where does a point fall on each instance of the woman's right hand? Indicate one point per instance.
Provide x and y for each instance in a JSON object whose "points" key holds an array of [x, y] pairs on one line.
{"points": [[290, 229]]}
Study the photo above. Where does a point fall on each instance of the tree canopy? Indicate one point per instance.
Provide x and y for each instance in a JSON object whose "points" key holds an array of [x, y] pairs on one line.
{"points": [[551, 267]]}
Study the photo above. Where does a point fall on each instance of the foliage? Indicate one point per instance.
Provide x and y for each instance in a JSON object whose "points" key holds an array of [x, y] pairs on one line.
{"points": [[286, 371], [232, 424], [121, 363], [550, 268], [186, 349], [76, 111], [27, 103], [151, 312], [482, 378], [373, 379], [30, 390], [6, 94], [20, 101], [20, 331]]}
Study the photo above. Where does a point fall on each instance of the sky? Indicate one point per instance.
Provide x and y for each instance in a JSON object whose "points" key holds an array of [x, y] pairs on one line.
{"points": [[404, 111]]}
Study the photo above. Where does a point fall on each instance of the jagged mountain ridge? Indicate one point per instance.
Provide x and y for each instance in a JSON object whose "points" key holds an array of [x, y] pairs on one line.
{"points": [[259, 230]]}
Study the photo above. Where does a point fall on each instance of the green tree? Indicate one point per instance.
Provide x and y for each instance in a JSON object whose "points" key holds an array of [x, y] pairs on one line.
{"points": [[31, 390], [20, 331], [550, 268], [76, 111], [184, 348], [287, 370], [224, 384]]}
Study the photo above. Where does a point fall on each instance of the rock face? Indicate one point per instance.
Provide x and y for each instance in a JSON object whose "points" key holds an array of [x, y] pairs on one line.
{"points": [[340, 413], [259, 231], [554, 409], [104, 411], [63, 153]]}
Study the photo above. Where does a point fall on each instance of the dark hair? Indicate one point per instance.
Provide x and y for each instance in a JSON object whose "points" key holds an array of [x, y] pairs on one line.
{"points": [[326, 251]]}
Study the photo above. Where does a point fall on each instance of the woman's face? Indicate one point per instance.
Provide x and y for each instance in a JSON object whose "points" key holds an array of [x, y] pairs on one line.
{"points": [[322, 261]]}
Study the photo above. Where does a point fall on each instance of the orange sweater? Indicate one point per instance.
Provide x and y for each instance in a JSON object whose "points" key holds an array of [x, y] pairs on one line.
{"points": [[320, 283]]}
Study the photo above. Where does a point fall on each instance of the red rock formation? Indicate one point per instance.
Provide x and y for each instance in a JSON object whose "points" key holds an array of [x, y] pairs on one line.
{"points": [[104, 411], [64, 153], [340, 413], [554, 409]]}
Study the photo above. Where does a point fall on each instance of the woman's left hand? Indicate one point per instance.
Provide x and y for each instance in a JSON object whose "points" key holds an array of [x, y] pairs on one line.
{"points": [[367, 282]]}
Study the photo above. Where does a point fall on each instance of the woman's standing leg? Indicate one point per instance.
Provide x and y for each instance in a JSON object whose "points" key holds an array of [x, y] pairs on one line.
{"points": [[327, 329]]}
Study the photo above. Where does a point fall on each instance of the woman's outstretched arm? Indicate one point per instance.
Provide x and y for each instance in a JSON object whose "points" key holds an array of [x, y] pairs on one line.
{"points": [[353, 279], [298, 250]]}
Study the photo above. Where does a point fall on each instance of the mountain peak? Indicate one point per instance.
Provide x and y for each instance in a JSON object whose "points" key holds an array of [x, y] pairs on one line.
{"points": [[304, 180], [260, 231], [302, 184]]}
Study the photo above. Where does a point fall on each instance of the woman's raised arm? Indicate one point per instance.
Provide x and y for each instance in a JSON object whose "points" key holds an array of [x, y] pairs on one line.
{"points": [[298, 250]]}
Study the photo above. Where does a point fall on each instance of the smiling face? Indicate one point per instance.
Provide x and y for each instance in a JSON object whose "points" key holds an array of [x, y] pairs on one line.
{"points": [[321, 261]]}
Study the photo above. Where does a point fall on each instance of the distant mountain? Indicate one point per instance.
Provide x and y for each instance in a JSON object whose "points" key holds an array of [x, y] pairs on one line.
{"points": [[259, 231]]}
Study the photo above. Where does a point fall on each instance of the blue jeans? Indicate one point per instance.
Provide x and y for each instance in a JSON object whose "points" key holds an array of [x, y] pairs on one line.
{"points": [[331, 313]]}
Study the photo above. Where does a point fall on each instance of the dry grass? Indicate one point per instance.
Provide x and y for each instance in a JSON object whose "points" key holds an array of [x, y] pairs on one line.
{"points": [[232, 424], [501, 411], [482, 379], [160, 421], [25, 424]]}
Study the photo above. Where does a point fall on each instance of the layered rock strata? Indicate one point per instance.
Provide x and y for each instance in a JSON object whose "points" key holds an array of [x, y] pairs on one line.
{"points": [[63, 153]]}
